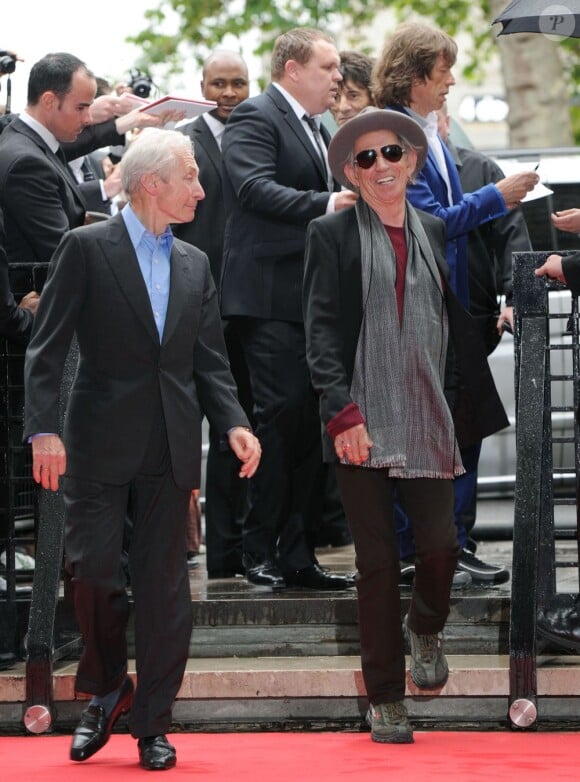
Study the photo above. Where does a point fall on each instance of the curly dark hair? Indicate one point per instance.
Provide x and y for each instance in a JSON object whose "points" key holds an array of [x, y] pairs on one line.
{"points": [[408, 55]]}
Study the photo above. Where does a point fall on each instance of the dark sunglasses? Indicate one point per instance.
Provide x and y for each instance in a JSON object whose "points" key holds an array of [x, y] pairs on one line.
{"points": [[391, 152]]}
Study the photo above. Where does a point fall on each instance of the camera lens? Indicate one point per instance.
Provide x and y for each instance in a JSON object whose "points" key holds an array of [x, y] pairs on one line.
{"points": [[7, 64], [141, 84]]}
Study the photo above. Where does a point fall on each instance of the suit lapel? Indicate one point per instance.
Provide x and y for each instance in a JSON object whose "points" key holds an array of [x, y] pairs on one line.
{"points": [[120, 254], [207, 140], [61, 167], [179, 288], [298, 128]]}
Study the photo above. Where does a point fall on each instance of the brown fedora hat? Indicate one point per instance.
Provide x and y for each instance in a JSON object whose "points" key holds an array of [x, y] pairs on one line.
{"points": [[369, 119]]}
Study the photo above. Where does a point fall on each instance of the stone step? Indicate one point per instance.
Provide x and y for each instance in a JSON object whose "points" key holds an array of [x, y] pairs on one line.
{"points": [[311, 626], [323, 690]]}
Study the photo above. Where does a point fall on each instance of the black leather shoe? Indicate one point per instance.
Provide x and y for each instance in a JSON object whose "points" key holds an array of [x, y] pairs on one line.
{"points": [[313, 577], [559, 622], [265, 574], [481, 572], [94, 729], [461, 579], [156, 753], [262, 572]]}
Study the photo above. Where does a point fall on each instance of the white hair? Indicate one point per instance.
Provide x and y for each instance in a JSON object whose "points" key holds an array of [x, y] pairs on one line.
{"points": [[153, 151]]}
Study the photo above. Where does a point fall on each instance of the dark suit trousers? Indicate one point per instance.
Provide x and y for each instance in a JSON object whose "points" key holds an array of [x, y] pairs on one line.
{"points": [[226, 494], [95, 517], [368, 499], [287, 490]]}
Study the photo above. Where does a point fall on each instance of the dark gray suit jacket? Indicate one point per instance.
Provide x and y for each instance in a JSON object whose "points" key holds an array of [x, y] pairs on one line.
{"points": [[95, 289], [39, 195], [206, 231], [333, 315], [274, 185]]}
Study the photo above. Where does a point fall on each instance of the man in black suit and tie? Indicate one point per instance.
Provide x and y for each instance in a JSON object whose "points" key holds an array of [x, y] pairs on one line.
{"points": [[277, 180], [39, 194], [225, 81], [152, 363]]}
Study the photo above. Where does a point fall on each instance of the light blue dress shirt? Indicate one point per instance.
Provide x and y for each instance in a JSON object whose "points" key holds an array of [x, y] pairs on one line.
{"points": [[153, 254]]}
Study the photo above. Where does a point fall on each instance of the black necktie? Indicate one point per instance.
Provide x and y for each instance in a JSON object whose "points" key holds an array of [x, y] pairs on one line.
{"points": [[66, 168], [311, 122], [88, 175]]}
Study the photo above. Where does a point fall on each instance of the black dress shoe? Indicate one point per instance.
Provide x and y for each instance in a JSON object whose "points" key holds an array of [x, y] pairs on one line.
{"points": [[461, 579], [314, 577], [156, 753], [94, 729], [559, 622], [266, 574]]}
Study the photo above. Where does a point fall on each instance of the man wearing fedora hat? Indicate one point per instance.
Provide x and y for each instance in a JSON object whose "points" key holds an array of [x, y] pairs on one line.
{"points": [[384, 333]]}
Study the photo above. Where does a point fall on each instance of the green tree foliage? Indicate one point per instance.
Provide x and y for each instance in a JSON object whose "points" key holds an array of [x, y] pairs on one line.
{"points": [[203, 24]]}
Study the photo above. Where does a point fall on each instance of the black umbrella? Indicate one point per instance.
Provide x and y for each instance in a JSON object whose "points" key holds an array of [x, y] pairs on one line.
{"points": [[541, 16]]}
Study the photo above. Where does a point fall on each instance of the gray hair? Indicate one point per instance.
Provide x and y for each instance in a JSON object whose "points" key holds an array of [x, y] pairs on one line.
{"points": [[153, 151]]}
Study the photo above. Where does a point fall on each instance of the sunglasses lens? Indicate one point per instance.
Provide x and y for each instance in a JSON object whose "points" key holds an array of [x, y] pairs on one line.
{"points": [[392, 152], [366, 158]]}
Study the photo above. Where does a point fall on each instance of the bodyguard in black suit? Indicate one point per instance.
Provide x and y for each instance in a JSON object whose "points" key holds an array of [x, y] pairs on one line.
{"points": [[152, 363], [276, 181], [39, 194], [225, 81]]}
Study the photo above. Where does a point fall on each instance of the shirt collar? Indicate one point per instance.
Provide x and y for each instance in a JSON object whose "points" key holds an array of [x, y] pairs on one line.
{"points": [[215, 125], [431, 123], [299, 110], [45, 134], [138, 233]]}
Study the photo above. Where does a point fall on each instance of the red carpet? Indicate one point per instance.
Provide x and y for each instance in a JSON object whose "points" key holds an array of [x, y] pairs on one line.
{"points": [[308, 757]]}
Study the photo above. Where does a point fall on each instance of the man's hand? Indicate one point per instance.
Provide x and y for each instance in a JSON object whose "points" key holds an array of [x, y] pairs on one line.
{"points": [[112, 183], [247, 448], [30, 302], [137, 119], [106, 107], [344, 199], [353, 445], [505, 316], [515, 187], [567, 220], [48, 460], [552, 268]]}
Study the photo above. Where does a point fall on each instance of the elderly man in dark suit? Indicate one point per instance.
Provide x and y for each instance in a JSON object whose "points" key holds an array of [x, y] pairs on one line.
{"points": [[225, 81], [152, 363], [277, 180]]}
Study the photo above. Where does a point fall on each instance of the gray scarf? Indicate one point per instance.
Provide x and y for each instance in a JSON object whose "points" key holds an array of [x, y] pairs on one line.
{"points": [[399, 369]]}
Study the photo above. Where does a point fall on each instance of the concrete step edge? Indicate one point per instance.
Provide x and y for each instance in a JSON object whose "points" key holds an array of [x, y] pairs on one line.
{"points": [[332, 677]]}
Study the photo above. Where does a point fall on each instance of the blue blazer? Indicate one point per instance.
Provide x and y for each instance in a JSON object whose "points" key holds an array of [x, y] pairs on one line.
{"points": [[467, 211]]}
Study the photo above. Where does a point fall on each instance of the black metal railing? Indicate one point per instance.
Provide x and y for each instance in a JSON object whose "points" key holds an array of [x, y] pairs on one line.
{"points": [[547, 396]]}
